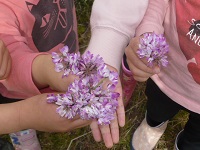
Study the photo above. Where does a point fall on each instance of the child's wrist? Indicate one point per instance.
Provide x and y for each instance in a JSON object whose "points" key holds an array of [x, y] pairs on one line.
{"points": [[40, 70], [27, 113]]}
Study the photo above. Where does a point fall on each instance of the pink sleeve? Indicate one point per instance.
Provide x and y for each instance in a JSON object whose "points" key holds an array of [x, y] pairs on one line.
{"points": [[20, 79], [113, 23], [154, 17]]}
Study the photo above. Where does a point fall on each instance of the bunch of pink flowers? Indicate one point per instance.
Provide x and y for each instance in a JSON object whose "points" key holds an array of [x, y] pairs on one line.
{"points": [[154, 48], [87, 96]]}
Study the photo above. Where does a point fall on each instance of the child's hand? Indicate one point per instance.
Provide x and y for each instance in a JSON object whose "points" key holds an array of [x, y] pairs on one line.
{"points": [[36, 113], [44, 74], [141, 72], [110, 133], [5, 61]]}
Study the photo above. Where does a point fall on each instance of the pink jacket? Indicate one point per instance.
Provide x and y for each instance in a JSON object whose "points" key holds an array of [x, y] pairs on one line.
{"points": [[179, 20], [30, 29]]}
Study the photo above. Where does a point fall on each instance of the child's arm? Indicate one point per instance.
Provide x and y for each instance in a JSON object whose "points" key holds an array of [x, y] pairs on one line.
{"points": [[113, 24], [36, 114], [31, 70], [154, 17], [20, 79], [152, 22], [5, 61], [141, 72]]}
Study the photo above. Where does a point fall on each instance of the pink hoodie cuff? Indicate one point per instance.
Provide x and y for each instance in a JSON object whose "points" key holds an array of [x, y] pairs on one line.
{"points": [[149, 28], [125, 70]]}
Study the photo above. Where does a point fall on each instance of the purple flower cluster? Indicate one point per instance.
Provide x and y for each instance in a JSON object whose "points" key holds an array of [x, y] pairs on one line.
{"points": [[87, 96], [154, 47]]}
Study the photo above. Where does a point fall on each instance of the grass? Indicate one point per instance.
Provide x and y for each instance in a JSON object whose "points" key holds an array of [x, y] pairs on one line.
{"points": [[82, 139], [83, 8]]}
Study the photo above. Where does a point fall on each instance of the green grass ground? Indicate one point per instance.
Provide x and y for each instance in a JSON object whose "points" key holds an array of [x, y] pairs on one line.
{"points": [[82, 139]]}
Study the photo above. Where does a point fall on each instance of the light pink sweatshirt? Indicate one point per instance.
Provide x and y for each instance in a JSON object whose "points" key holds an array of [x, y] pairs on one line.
{"points": [[179, 20], [33, 27]]}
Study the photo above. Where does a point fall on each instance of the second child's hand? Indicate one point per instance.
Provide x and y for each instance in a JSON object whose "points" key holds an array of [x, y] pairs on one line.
{"points": [[110, 133], [139, 68]]}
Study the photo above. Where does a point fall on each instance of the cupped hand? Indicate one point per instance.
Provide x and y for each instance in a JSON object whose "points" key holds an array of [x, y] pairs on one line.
{"points": [[110, 133], [44, 74], [139, 67]]}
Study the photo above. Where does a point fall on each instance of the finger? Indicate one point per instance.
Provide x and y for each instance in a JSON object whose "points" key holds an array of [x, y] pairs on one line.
{"points": [[154, 67], [115, 131], [4, 65], [120, 108], [121, 113], [139, 73], [106, 134], [8, 69], [132, 48], [95, 131], [134, 43], [2, 50], [138, 63]]}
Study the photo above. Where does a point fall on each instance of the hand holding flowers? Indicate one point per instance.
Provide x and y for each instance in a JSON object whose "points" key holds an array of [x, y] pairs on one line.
{"points": [[146, 55]]}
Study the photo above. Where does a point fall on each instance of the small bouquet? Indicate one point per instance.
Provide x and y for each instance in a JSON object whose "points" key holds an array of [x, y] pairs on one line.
{"points": [[154, 48], [87, 96]]}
